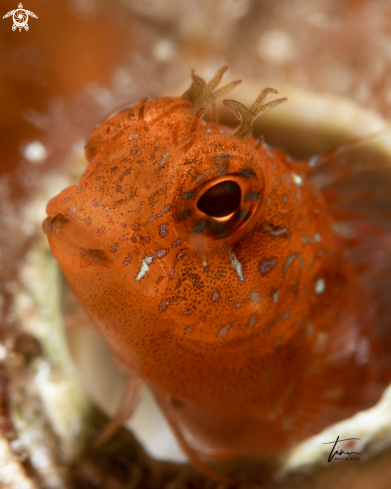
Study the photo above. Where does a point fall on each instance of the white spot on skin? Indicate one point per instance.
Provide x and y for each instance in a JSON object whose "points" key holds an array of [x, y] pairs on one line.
{"points": [[321, 343], [277, 232], [320, 286], [309, 330], [143, 271], [215, 296], [255, 297], [224, 331], [35, 152], [237, 266], [275, 295], [165, 156], [297, 179], [289, 262], [253, 320], [163, 305], [316, 239]]}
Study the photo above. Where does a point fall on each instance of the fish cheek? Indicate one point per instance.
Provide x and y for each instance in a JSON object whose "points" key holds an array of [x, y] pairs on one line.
{"points": [[89, 274]]}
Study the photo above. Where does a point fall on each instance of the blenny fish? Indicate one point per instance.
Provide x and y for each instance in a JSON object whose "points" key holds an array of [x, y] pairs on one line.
{"points": [[221, 274]]}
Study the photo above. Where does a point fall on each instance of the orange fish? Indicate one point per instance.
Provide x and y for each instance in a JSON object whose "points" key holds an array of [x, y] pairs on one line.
{"points": [[215, 268]]}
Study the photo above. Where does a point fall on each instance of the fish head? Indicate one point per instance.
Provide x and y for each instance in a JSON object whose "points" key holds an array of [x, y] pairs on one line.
{"points": [[178, 222]]}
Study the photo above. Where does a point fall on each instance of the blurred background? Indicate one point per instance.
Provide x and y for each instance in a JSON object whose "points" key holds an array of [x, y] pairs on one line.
{"points": [[83, 58]]}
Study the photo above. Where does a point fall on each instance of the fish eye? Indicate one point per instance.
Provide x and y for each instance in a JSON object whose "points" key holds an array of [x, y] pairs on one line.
{"points": [[221, 200]]}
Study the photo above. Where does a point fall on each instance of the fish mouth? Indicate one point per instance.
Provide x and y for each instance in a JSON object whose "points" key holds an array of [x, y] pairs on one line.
{"points": [[68, 231]]}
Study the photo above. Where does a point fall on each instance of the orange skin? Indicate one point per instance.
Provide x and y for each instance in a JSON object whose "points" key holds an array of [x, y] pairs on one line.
{"points": [[248, 329]]}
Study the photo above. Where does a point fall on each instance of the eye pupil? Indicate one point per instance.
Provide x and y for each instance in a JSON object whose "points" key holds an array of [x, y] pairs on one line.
{"points": [[221, 200]]}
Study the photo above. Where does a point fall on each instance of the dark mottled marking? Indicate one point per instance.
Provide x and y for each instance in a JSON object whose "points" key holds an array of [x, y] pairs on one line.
{"points": [[219, 228], [96, 257], [162, 252], [163, 230], [221, 158], [267, 265], [246, 173], [252, 196], [161, 213], [201, 226], [186, 214]]}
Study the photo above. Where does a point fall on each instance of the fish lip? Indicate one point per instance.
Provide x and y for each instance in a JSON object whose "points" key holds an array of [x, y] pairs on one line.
{"points": [[47, 224], [80, 239]]}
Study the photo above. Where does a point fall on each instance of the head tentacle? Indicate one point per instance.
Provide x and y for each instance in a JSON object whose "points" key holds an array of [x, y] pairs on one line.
{"points": [[247, 116], [245, 128], [200, 94]]}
